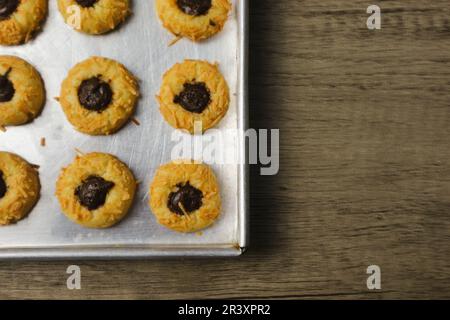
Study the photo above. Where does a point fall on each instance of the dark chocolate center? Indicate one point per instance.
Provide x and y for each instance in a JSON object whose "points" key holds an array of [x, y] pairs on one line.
{"points": [[93, 191], [7, 90], [86, 3], [186, 199], [195, 97], [95, 94], [194, 7], [3, 187], [7, 8]]}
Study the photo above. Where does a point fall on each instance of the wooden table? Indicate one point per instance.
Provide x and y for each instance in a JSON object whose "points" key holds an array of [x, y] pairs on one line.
{"points": [[365, 166]]}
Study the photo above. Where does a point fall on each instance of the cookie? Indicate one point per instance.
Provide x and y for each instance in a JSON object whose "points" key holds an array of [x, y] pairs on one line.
{"points": [[96, 190], [194, 92], [20, 19], [193, 19], [99, 96], [19, 188], [22, 92], [185, 196], [94, 16]]}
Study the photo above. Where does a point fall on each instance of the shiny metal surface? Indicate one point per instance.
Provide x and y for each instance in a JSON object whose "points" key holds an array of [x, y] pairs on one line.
{"points": [[142, 45]]}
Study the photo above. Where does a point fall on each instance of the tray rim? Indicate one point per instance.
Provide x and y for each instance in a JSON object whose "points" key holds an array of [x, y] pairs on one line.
{"points": [[243, 114], [166, 251]]}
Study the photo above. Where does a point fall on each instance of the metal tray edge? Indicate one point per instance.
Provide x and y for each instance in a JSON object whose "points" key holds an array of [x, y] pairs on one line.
{"points": [[244, 178], [232, 250], [52, 254]]}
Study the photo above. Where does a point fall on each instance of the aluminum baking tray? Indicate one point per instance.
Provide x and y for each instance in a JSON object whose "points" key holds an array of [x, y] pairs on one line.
{"points": [[142, 45]]}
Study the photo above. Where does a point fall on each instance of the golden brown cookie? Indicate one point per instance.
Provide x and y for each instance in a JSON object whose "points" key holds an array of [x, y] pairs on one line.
{"points": [[99, 96], [19, 188], [96, 190], [193, 19], [94, 16], [22, 92], [194, 91], [185, 196], [20, 19]]}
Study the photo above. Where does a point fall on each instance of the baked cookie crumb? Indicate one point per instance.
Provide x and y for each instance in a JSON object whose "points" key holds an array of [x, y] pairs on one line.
{"points": [[20, 20], [194, 92], [185, 197], [95, 16], [96, 190], [99, 96], [22, 92], [193, 19], [19, 188]]}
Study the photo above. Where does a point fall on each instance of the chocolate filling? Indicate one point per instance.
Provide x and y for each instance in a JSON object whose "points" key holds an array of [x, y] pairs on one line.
{"points": [[95, 94], [7, 90], [188, 197], [194, 7], [3, 187], [7, 8], [86, 3], [93, 191], [194, 98]]}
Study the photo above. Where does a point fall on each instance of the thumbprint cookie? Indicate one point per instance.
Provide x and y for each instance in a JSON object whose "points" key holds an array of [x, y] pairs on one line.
{"points": [[193, 19], [94, 16], [185, 196], [19, 188], [99, 96], [96, 190], [20, 19], [22, 92], [194, 92]]}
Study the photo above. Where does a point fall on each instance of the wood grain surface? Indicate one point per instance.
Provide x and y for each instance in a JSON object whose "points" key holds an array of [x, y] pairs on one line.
{"points": [[365, 166]]}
